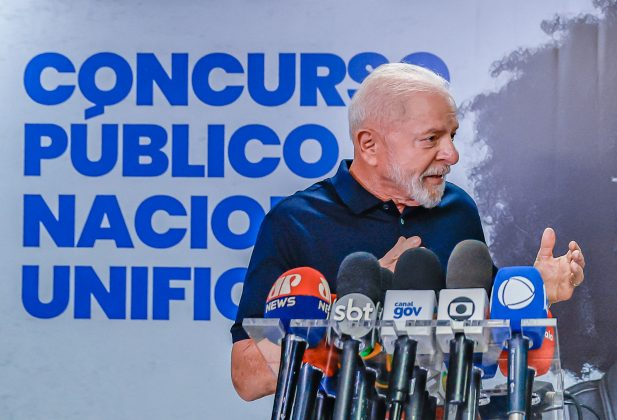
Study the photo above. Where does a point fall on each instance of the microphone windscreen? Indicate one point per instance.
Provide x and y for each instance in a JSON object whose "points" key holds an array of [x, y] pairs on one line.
{"points": [[300, 293], [418, 269], [470, 266], [360, 272], [386, 282]]}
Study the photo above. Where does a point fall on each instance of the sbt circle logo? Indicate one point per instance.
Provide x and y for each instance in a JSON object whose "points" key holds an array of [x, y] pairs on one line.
{"points": [[461, 308], [354, 314], [516, 293]]}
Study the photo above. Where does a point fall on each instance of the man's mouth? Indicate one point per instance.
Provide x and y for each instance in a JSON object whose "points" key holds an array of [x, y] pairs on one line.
{"points": [[436, 174]]}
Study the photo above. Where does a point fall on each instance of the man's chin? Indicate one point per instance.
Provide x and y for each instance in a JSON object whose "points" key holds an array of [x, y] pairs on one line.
{"points": [[432, 196]]}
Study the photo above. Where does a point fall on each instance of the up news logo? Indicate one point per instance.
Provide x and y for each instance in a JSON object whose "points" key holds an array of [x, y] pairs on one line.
{"points": [[304, 287], [289, 284]]}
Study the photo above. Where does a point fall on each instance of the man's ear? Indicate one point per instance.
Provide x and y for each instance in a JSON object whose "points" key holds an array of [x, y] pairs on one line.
{"points": [[366, 144]]}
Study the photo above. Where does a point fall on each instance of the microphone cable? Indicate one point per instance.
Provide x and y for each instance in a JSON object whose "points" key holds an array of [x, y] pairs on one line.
{"points": [[579, 406], [570, 399]]}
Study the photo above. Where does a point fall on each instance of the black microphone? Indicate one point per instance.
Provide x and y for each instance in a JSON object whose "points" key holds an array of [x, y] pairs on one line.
{"points": [[470, 408], [468, 278], [324, 406], [359, 291], [417, 276], [306, 392], [414, 408]]}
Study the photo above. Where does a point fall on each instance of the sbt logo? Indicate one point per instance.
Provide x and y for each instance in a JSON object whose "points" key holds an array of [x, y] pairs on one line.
{"points": [[406, 309], [346, 310]]}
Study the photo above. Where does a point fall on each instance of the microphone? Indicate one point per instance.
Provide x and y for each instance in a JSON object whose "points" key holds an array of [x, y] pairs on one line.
{"points": [[519, 293], [539, 359], [298, 293], [469, 275], [306, 392], [417, 269], [414, 409], [355, 311], [387, 277], [417, 279]]}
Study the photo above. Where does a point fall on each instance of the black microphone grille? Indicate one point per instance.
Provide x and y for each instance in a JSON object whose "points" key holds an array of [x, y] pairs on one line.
{"points": [[359, 272], [418, 269], [470, 266]]}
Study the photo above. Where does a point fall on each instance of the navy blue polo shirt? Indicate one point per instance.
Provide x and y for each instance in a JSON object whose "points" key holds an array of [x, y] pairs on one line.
{"points": [[320, 226]]}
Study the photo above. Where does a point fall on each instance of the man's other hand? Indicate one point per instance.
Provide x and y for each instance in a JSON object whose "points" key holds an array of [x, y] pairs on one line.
{"points": [[391, 258], [253, 368], [560, 274]]}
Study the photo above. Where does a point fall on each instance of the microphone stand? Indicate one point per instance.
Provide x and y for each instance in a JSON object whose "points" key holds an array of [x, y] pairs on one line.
{"points": [[518, 346], [402, 367], [459, 372], [306, 392], [291, 359], [349, 366]]}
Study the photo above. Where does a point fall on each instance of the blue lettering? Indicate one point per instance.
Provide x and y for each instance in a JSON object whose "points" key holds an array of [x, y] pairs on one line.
{"points": [[105, 207], [133, 150], [143, 221], [311, 81], [199, 222], [257, 79], [329, 151], [32, 78], [139, 293], [37, 213], [88, 285], [174, 87], [201, 76], [79, 150], [223, 289], [163, 293], [361, 65], [429, 61], [30, 292], [216, 151], [237, 151], [180, 166], [201, 294], [102, 98], [220, 221], [34, 149]]}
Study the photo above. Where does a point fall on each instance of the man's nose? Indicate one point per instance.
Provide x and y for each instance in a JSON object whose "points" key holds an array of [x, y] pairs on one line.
{"points": [[447, 151]]}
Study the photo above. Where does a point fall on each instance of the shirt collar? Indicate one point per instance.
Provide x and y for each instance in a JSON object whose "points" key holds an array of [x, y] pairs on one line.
{"points": [[351, 192]]}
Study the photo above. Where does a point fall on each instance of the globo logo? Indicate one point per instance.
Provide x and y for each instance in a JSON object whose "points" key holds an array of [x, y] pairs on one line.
{"points": [[517, 292], [461, 308]]}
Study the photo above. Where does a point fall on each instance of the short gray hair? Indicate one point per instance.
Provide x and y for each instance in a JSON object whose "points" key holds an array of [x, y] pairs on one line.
{"points": [[381, 94]]}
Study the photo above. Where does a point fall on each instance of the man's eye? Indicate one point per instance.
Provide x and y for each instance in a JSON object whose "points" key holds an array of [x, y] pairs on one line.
{"points": [[430, 139], [452, 136]]}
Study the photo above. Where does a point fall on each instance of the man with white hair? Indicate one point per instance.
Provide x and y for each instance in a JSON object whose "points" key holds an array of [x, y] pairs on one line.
{"points": [[393, 196]]}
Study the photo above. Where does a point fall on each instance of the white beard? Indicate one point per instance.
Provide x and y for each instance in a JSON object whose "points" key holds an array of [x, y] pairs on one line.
{"points": [[414, 187]]}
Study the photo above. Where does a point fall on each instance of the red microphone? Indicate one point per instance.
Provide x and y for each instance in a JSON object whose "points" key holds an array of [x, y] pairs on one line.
{"points": [[539, 359], [300, 293]]}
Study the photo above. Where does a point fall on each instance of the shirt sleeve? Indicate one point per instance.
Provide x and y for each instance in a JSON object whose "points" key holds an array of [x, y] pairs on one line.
{"points": [[272, 255]]}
